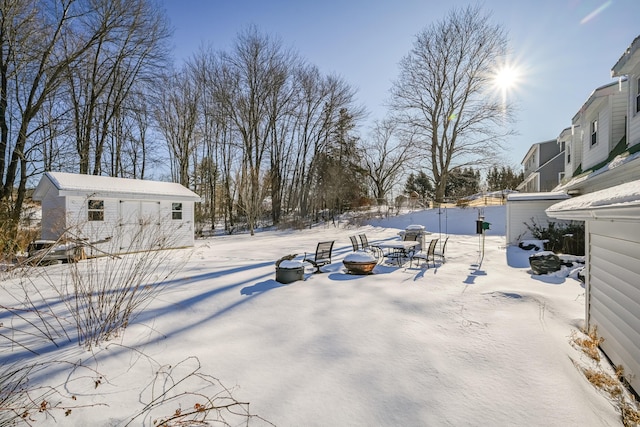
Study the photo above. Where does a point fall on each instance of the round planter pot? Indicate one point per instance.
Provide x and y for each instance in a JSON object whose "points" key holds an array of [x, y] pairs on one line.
{"points": [[288, 275]]}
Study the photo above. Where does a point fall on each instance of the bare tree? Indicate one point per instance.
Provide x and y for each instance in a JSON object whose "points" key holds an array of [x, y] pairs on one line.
{"points": [[257, 72], [443, 93], [177, 117], [131, 51], [38, 42], [42, 44], [385, 158]]}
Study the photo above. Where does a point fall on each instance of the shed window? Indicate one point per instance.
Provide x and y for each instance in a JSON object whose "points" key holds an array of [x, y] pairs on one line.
{"points": [[594, 132], [176, 210], [95, 209]]}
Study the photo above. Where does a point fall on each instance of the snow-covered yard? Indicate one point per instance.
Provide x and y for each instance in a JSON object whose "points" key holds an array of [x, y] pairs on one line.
{"points": [[464, 343]]}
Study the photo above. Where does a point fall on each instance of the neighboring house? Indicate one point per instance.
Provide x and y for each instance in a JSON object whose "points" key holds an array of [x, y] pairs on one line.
{"points": [[609, 179], [601, 154], [612, 252], [601, 122], [116, 215], [543, 167]]}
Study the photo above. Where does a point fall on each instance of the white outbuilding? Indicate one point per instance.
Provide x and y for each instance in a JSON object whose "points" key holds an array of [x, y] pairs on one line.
{"points": [[612, 239], [116, 215], [527, 208]]}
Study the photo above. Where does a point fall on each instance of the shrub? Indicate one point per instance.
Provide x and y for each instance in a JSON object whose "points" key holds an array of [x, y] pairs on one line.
{"points": [[93, 300], [560, 237]]}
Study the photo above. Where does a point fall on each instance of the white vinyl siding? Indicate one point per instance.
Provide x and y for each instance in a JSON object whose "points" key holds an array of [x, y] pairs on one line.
{"points": [[636, 104], [146, 211], [618, 120], [614, 292], [594, 154], [633, 136], [54, 223], [520, 213]]}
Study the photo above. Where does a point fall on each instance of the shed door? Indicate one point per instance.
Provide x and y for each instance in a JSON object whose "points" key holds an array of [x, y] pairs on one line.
{"points": [[614, 292], [139, 224]]}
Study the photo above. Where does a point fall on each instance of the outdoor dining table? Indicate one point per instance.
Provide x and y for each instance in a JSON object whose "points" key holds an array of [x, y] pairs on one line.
{"points": [[400, 249]]}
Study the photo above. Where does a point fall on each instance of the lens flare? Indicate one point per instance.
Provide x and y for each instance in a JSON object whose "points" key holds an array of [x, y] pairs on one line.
{"points": [[596, 12]]}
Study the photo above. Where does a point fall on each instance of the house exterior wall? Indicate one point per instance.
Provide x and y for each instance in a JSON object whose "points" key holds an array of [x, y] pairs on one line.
{"points": [[538, 175], [530, 162], [633, 113], [608, 105], [619, 104], [596, 153], [549, 173], [548, 150], [566, 138], [629, 66], [613, 284]]}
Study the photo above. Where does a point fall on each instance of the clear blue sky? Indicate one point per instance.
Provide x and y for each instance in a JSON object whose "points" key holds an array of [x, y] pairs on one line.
{"points": [[566, 48]]}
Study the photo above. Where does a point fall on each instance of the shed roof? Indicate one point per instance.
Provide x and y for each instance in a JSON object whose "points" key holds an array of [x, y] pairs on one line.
{"points": [[618, 202], [546, 195], [70, 184]]}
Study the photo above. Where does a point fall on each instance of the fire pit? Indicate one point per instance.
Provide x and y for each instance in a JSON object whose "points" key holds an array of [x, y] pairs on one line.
{"points": [[360, 262]]}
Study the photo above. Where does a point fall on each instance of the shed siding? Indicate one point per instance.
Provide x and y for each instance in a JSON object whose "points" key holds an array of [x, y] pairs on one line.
{"points": [[135, 215], [521, 212], [614, 292], [53, 223]]}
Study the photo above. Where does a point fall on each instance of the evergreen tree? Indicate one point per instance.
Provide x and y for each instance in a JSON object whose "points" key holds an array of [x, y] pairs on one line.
{"points": [[463, 182], [503, 179], [341, 179], [421, 184]]}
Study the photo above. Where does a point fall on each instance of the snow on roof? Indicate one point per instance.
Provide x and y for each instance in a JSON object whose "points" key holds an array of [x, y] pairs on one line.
{"points": [[70, 182], [602, 204], [619, 68], [548, 195], [618, 161]]}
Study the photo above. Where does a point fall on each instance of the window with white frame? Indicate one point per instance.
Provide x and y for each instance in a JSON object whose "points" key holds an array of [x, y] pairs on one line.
{"points": [[594, 132], [95, 210], [176, 210], [568, 151]]}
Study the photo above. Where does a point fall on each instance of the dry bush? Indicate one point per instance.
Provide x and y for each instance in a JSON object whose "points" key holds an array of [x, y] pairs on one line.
{"points": [[590, 344], [612, 384], [24, 403], [181, 395], [604, 382], [89, 301]]}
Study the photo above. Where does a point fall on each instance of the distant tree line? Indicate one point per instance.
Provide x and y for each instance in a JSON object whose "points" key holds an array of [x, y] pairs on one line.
{"points": [[464, 182], [88, 86]]}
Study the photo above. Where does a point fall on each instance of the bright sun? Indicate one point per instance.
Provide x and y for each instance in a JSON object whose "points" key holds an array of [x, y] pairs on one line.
{"points": [[506, 77]]}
